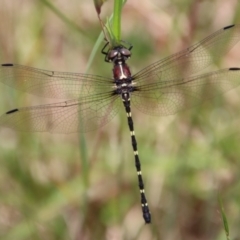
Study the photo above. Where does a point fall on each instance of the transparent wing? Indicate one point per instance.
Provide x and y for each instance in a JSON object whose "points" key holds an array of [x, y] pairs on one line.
{"points": [[169, 97], [84, 114], [52, 84], [191, 60]]}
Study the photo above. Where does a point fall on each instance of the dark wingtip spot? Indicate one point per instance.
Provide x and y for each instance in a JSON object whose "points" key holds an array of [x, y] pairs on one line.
{"points": [[7, 65], [234, 69], [12, 111], [230, 26]]}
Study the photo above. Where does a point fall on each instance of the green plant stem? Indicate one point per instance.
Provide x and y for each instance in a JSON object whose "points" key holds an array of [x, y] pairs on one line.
{"points": [[116, 26]]}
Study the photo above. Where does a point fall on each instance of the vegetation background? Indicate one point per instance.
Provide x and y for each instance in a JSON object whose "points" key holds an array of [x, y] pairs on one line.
{"points": [[78, 187]]}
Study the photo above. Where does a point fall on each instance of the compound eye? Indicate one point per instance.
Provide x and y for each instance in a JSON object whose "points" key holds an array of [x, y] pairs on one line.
{"points": [[125, 52], [112, 54]]}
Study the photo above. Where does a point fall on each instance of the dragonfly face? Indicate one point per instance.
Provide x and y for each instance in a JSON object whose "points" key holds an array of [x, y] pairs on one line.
{"points": [[119, 53]]}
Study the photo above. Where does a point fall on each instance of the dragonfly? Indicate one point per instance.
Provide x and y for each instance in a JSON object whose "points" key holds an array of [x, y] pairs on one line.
{"points": [[91, 101]]}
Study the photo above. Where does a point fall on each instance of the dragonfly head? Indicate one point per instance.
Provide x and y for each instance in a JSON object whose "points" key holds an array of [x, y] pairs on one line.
{"points": [[117, 54]]}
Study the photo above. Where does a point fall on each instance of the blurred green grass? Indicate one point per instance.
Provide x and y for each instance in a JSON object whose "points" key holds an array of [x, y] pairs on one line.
{"points": [[187, 159]]}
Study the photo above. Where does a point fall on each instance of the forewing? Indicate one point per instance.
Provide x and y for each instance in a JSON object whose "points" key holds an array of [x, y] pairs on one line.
{"points": [[191, 60], [52, 84], [169, 97]]}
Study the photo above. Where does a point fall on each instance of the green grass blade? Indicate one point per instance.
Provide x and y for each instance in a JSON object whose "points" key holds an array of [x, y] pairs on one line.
{"points": [[224, 218], [95, 50], [116, 26]]}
